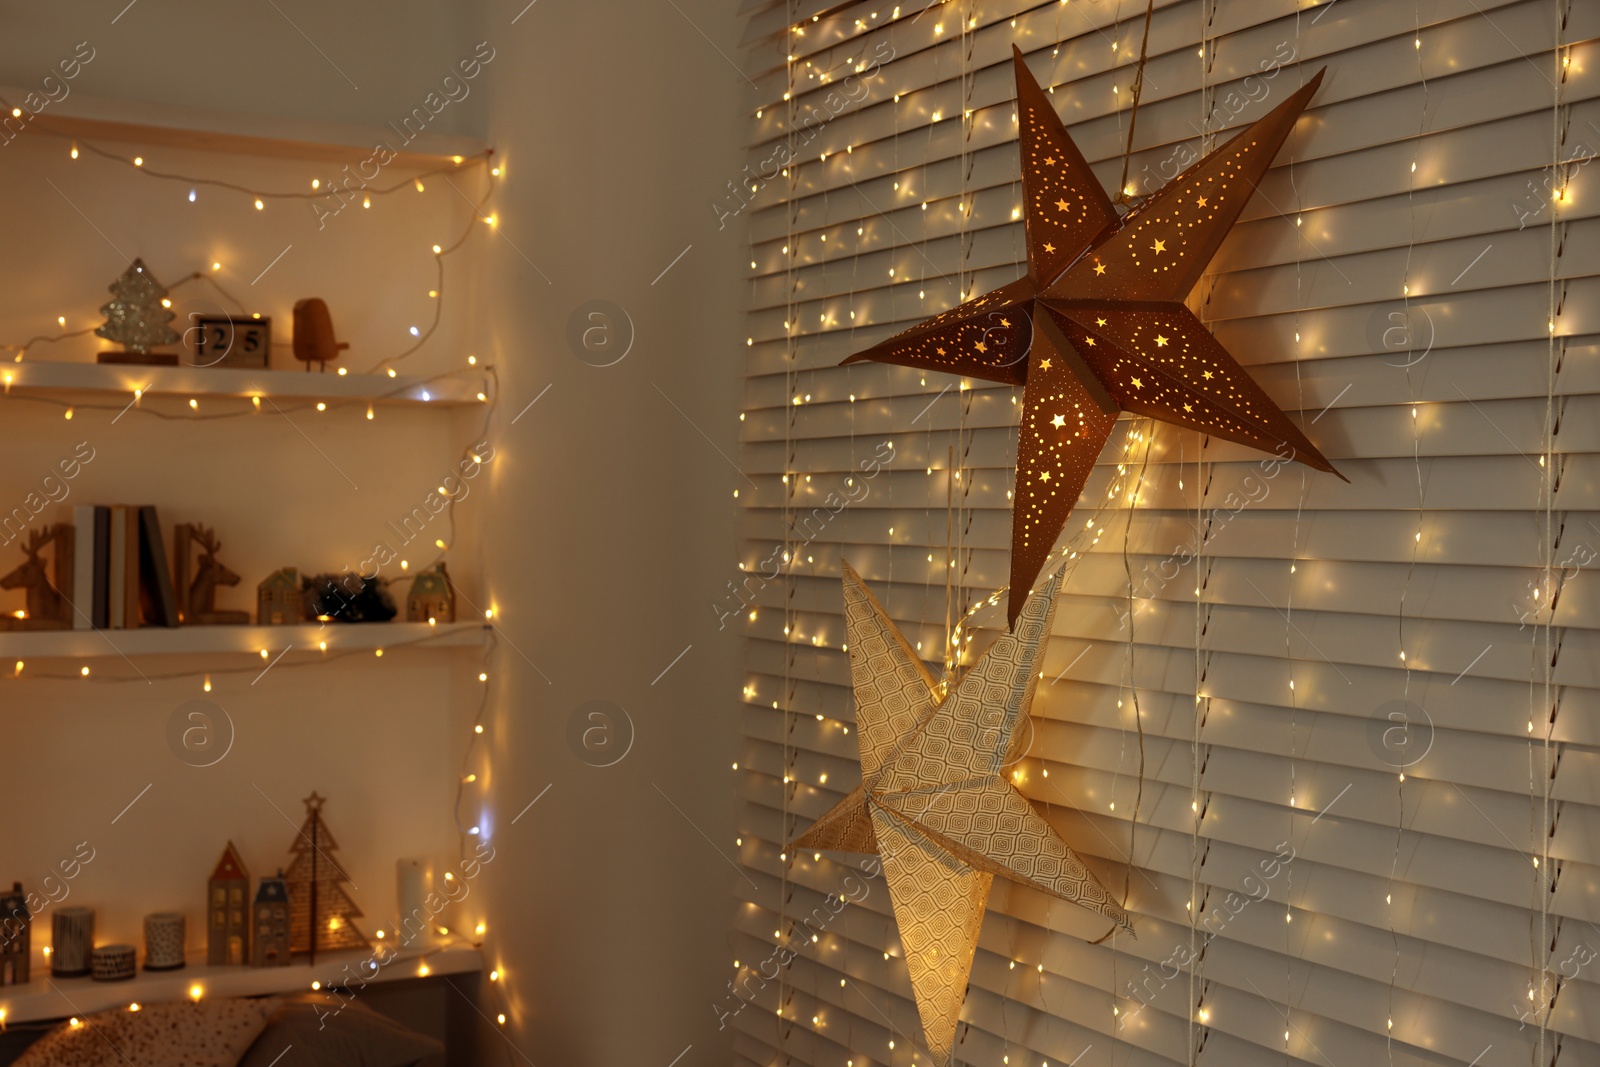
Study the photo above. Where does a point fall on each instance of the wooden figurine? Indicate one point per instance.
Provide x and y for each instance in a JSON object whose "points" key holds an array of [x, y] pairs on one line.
{"points": [[270, 946], [16, 936], [322, 913], [432, 597], [313, 334], [278, 598], [48, 606], [228, 911], [197, 597]]}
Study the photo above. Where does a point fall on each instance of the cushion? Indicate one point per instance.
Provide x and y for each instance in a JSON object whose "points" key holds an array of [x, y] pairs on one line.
{"points": [[206, 1033], [323, 1030]]}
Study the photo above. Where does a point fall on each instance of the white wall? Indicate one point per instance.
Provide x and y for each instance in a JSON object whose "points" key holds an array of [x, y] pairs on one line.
{"points": [[607, 535], [355, 63], [611, 524], [372, 735]]}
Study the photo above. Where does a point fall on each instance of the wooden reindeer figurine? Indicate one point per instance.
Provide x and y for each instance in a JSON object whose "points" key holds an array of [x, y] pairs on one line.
{"points": [[197, 597], [49, 605]]}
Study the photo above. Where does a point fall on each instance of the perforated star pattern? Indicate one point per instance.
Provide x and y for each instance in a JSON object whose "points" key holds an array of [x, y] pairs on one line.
{"points": [[1098, 326], [934, 800]]}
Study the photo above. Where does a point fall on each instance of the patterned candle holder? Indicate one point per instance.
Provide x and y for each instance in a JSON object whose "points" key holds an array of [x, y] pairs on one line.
{"points": [[164, 935], [71, 942], [113, 963]]}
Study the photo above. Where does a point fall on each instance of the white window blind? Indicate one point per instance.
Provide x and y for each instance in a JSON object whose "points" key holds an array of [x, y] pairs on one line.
{"points": [[1217, 722]]}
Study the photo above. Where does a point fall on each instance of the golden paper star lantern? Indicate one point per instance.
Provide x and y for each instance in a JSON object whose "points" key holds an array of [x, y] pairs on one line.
{"points": [[1098, 326], [934, 800]]}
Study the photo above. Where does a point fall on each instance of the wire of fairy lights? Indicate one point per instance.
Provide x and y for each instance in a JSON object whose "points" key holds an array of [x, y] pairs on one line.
{"points": [[1545, 645], [490, 399], [1294, 557], [383, 365], [1416, 540], [136, 162], [1196, 967], [791, 327]]}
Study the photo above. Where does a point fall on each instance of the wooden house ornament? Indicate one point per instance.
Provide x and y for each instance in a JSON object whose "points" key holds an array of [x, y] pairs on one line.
{"points": [[16, 936], [279, 600], [270, 945], [432, 597], [228, 911]]}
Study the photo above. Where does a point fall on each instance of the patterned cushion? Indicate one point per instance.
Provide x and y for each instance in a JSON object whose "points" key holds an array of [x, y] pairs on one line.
{"points": [[209, 1033]]}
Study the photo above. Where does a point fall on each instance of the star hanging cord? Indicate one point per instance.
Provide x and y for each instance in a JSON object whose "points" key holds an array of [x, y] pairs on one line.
{"points": [[1098, 326]]}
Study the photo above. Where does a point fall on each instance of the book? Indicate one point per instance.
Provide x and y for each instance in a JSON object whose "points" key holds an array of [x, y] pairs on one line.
{"points": [[82, 591], [155, 578], [117, 569], [102, 567], [130, 572]]}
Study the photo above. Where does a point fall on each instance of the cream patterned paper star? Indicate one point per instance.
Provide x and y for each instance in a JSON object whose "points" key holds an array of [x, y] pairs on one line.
{"points": [[934, 800]]}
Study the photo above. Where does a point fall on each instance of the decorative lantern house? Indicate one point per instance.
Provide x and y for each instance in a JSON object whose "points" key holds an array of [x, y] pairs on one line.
{"points": [[270, 944], [228, 911]]}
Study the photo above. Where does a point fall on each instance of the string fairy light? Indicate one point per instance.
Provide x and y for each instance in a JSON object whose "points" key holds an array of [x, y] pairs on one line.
{"points": [[790, 487], [1545, 644], [1197, 903], [385, 954], [458, 164]]}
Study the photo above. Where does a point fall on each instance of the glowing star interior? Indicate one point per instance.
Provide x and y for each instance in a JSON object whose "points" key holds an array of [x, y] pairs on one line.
{"points": [[1098, 326], [935, 801]]}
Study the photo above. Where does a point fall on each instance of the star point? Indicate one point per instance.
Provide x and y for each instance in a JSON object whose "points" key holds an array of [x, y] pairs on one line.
{"points": [[1161, 342], [1059, 422]]}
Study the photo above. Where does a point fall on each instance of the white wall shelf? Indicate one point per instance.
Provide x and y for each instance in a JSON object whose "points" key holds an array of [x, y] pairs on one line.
{"points": [[188, 640], [61, 377], [45, 997], [131, 122]]}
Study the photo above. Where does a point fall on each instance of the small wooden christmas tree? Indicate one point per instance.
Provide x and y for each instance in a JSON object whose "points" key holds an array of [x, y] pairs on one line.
{"points": [[136, 318], [320, 911]]}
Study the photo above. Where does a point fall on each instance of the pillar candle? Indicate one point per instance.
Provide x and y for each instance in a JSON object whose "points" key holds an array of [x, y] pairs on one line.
{"points": [[71, 942], [413, 882]]}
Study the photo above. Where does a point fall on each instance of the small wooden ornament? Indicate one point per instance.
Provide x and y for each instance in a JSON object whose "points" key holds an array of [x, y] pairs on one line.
{"points": [[47, 605], [231, 340], [197, 596], [279, 600], [322, 915], [314, 341], [432, 597]]}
